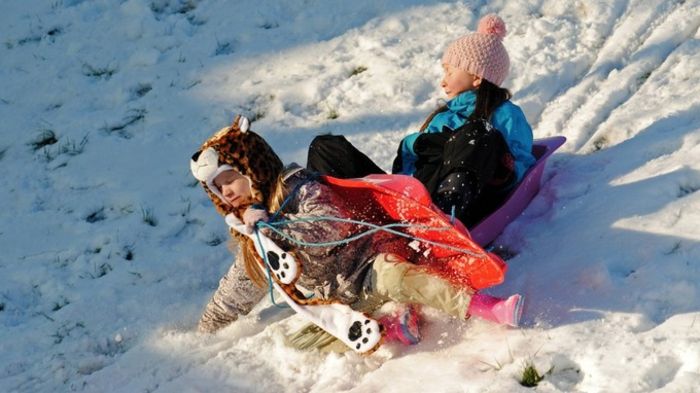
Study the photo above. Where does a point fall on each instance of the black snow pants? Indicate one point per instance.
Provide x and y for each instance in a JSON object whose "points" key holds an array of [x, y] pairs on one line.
{"points": [[333, 155]]}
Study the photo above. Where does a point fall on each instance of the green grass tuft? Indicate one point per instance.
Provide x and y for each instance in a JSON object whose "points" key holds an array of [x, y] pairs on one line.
{"points": [[531, 377], [358, 70], [45, 138]]}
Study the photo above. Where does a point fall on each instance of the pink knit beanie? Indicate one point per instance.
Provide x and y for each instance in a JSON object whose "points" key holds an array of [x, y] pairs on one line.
{"points": [[481, 53]]}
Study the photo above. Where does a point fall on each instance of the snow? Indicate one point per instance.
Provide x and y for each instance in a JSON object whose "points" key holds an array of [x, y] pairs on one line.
{"points": [[109, 250]]}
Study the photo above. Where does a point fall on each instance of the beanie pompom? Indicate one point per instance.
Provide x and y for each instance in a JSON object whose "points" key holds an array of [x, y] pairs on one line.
{"points": [[492, 24]]}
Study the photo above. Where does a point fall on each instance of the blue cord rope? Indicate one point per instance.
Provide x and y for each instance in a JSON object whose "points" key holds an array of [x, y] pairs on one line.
{"points": [[375, 228], [267, 269], [257, 235]]}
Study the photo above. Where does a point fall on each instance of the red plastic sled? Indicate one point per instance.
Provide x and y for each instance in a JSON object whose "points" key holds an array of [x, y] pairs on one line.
{"points": [[490, 227], [447, 248]]}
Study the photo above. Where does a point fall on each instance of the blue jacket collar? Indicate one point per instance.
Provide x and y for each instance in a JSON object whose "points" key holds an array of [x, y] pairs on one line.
{"points": [[462, 101]]}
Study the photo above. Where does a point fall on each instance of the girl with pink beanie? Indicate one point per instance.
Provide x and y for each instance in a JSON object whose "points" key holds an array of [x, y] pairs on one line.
{"points": [[469, 152]]}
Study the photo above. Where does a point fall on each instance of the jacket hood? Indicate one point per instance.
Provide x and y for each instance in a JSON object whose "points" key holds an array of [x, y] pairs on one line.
{"points": [[236, 147]]}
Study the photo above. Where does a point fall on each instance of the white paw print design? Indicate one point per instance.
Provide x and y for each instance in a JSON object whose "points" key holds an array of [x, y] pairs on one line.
{"points": [[283, 266], [364, 334]]}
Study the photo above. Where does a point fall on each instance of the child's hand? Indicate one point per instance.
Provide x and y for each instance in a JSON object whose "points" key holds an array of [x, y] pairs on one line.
{"points": [[252, 215]]}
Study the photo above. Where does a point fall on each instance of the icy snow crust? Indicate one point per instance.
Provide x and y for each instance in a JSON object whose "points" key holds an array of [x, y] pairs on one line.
{"points": [[109, 250]]}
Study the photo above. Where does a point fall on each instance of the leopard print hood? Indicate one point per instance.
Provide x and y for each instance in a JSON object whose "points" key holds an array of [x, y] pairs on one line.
{"points": [[236, 147]]}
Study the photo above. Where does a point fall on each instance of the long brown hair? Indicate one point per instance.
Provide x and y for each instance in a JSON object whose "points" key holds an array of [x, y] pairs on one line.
{"points": [[488, 98], [252, 262]]}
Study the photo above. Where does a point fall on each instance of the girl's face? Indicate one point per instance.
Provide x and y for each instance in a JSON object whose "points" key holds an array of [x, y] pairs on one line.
{"points": [[234, 187], [457, 81]]}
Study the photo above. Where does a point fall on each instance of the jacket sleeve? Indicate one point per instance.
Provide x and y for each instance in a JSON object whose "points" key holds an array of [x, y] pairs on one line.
{"points": [[405, 162], [510, 120], [236, 295]]}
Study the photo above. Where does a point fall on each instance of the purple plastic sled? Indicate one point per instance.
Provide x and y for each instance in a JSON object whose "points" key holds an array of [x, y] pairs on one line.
{"points": [[490, 227]]}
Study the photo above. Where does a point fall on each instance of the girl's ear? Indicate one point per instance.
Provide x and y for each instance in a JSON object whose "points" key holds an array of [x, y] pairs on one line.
{"points": [[477, 81]]}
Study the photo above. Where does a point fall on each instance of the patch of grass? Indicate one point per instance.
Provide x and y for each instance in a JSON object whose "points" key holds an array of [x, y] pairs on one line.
{"points": [[358, 70], [102, 270], [45, 138], [95, 216], [62, 262], [498, 366], [257, 115], [530, 376], [60, 304], [224, 48], [168, 7], [105, 72], [686, 189], [600, 143], [643, 78], [54, 31], [47, 155], [196, 20], [132, 117], [128, 252], [332, 114], [29, 40], [65, 330], [142, 89], [148, 217], [186, 210], [193, 84], [126, 210], [215, 240], [676, 247], [71, 148], [269, 25], [256, 107], [97, 271]]}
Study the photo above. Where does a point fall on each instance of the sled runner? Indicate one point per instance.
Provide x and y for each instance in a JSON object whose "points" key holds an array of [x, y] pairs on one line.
{"points": [[517, 200]]}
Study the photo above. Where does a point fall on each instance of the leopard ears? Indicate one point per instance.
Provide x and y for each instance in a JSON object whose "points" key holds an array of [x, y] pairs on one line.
{"points": [[241, 123]]}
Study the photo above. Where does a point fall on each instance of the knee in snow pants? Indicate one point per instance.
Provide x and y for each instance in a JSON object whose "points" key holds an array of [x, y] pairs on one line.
{"points": [[403, 282]]}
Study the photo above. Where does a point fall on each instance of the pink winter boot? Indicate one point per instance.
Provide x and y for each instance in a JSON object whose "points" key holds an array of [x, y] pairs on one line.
{"points": [[493, 309], [402, 326]]}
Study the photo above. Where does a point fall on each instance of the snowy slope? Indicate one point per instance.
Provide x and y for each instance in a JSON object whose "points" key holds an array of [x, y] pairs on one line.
{"points": [[109, 251]]}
